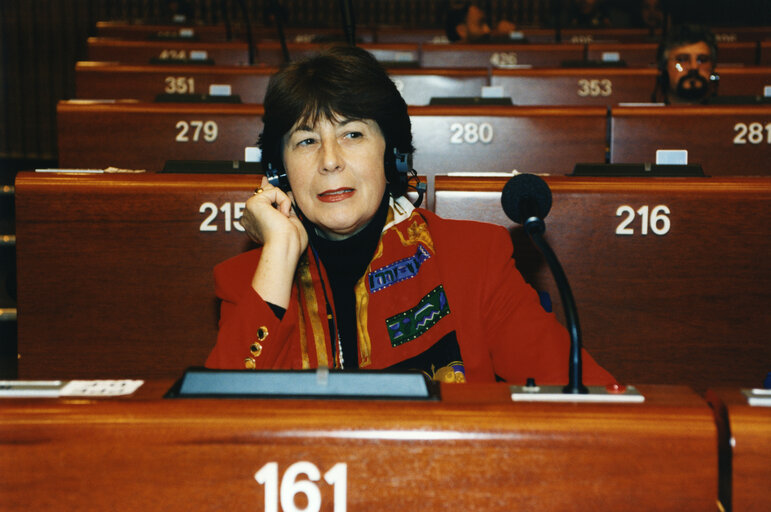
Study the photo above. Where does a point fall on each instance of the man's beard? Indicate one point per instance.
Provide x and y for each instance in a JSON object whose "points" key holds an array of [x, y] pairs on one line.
{"points": [[692, 86]]}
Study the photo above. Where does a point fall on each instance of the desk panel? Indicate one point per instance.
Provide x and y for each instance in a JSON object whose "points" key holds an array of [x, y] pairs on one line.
{"points": [[564, 86], [668, 274], [132, 135], [499, 56], [115, 271], [724, 140], [500, 139], [473, 450], [112, 80], [745, 435]]}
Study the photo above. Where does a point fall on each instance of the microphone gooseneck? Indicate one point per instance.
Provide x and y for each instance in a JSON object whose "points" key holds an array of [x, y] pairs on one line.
{"points": [[526, 199]]}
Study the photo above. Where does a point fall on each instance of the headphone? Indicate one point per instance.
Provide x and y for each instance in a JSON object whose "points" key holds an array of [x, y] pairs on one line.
{"points": [[398, 171], [662, 84]]}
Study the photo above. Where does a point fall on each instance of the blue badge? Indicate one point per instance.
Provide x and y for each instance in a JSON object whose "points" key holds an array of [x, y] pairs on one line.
{"points": [[398, 271], [415, 321]]}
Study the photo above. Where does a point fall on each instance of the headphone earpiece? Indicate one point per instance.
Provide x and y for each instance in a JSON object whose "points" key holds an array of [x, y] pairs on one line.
{"points": [[398, 166], [277, 178]]}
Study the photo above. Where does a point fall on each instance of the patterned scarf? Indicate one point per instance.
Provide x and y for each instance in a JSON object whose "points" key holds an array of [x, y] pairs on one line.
{"points": [[402, 312]]}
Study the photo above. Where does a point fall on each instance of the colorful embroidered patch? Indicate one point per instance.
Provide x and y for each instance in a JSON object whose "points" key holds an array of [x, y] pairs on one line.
{"points": [[412, 323], [397, 271]]}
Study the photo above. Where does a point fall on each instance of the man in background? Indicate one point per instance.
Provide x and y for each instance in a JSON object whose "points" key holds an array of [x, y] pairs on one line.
{"points": [[467, 23], [686, 59]]}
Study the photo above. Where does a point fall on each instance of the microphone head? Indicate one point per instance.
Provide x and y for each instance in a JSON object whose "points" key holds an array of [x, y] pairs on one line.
{"points": [[525, 196]]}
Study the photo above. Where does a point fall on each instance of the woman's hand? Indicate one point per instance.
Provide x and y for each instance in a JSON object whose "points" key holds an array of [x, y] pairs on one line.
{"points": [[269, 219]]}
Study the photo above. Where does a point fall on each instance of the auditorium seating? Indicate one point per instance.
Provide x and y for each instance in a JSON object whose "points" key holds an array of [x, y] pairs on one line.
{"points": [[115, 281], [668, 289]]}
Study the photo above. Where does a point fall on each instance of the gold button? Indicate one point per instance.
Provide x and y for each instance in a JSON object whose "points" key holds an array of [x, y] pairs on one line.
{"points": [[262, 333], [249, 363], [256, 349]]}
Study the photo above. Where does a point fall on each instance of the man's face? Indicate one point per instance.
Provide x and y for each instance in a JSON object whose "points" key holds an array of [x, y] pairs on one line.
{"points": [[689, 68], [476, 26]]}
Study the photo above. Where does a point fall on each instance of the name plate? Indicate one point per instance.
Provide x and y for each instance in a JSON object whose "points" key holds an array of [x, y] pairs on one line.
{"points": [[321, 383]]}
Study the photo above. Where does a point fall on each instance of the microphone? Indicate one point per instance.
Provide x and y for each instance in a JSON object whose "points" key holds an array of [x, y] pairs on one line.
{"points": [[349, 25], [278, 18], [526, 199]]}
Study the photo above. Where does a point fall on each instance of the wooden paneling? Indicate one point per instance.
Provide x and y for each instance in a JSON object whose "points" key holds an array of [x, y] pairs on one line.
{"points": [[132, 135], [115, 271], [745, 434], [712, 135], [688, 306], [474, 449]]}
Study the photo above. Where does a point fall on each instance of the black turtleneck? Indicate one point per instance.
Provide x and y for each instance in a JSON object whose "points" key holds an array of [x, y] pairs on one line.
{"points": [[345, 262]]}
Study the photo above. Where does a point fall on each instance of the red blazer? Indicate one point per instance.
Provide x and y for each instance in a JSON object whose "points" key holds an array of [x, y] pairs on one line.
{"points": [[500, 324]]}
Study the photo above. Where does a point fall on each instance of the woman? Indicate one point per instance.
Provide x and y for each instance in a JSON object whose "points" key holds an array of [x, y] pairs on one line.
{"points": [[350, 274]]}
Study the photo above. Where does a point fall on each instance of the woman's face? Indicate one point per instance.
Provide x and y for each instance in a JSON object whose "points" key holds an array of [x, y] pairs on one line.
{"points": [[336, 171]]}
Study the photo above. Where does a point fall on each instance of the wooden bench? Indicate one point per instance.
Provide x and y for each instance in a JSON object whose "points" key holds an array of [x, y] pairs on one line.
{"points": [[724, 140], [644, 54], [669, 275], [133, 135]]}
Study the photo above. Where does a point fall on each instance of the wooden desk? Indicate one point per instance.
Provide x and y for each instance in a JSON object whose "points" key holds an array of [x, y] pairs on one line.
{"points": [[686, 303], [112, 80], [498, 56], [132, 135], [115, 271], [572, 86], [474, 449], [501, 138], [223, 53], [486, 139], [745, 438], [733, 140]]}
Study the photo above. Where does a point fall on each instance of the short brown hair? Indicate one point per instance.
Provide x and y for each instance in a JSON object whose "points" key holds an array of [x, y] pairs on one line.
{"points": [[340, 81]]}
